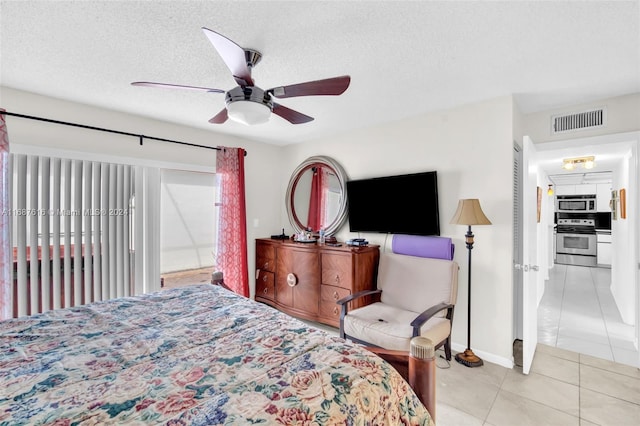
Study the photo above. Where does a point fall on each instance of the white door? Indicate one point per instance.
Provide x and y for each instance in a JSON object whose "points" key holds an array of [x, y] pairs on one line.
{"points": [[529, 253]]}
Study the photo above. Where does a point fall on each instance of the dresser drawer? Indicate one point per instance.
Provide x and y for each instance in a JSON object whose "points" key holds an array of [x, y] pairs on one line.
{"points": [[332, 294], [330, 314], [306, 280], [337, 270], [266, 257], [265, 285]]}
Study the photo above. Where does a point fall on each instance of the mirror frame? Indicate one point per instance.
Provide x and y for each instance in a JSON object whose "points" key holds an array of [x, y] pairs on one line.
{"points": [[332, 227]]}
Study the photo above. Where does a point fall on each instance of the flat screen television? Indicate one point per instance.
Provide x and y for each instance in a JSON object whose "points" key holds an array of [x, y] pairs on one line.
{"points": [[402, 204]]}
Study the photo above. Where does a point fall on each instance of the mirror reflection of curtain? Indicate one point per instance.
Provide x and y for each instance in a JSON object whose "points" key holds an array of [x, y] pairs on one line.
{"points": [[5, 247], [318, 199]]}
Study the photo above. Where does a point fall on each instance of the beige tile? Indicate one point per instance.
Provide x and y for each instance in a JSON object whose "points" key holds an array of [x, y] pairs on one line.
{"points": [[510, 409], [464, 389], [605, 410], [545, 390], [609, 383], [447, 415], [584, 422], [490, 373], [557, 368], [558, 352], [614, 367]]}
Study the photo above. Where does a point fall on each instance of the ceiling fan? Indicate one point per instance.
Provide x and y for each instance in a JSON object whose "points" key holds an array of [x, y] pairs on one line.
{"points": [[247, 103]]}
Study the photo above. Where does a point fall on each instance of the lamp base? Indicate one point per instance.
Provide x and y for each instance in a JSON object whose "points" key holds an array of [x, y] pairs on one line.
{"points": [[469, 359]]}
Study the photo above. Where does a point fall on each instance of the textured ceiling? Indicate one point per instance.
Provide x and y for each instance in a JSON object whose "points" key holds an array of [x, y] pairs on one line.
{"points": [[405, 58]]}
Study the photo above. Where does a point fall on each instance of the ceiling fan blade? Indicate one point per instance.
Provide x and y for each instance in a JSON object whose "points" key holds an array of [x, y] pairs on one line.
{"points": [[220, 117], [176, 86], [330, 86], [293, 117], [232, 55]]}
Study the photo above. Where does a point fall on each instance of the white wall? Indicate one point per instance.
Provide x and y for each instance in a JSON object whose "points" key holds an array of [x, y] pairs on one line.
{"points": [[471, 149], [622, 267], [262, 173], [622, 113]]}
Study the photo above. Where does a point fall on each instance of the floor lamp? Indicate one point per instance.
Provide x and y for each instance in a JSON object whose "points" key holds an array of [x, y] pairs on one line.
{"points": [[469, 213]]}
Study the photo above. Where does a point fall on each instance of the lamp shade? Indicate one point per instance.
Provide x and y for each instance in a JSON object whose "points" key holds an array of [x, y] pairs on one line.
{"points": [[469, 212]]}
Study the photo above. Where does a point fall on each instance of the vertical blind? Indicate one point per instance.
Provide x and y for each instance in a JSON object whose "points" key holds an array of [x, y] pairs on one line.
{"points": [[73, 225]]}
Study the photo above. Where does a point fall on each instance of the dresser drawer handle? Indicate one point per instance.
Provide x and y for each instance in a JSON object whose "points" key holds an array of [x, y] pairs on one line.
{"points": [[264, 278], [337, 278], [335, 311], [266, 265], [292, 280], [336, 296], [266, 290]]}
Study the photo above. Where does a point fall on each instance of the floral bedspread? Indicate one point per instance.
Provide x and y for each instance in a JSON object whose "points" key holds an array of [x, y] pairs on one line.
{"points": [[198, 355]]}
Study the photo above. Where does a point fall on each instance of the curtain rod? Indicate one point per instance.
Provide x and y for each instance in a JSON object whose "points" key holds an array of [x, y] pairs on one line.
{"points": [[101, 129]]}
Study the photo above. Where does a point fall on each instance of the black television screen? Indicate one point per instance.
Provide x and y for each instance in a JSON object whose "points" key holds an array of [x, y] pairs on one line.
{"points": [[403, 204]]}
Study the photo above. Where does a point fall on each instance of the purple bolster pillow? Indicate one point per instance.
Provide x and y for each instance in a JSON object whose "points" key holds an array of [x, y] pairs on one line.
{"points": [[421, 246]]}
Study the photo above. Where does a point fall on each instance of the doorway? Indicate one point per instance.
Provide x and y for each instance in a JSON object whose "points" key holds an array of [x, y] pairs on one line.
{"points": [[187, 227], [613, 290]]}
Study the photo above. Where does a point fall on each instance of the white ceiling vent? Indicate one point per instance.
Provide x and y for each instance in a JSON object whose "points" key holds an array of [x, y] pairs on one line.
{"points": [[583, 120]]}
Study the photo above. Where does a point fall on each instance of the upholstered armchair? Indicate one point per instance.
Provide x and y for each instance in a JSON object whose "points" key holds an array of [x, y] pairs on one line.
{"points": [[417, 296]]}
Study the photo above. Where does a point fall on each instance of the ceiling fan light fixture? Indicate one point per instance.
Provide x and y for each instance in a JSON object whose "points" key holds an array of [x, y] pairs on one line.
{"points": [[585, 162], [248, 112], [248, 105]]}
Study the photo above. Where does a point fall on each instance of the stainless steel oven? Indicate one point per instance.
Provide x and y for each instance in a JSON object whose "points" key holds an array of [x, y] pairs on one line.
{"points": [[576, 242]]}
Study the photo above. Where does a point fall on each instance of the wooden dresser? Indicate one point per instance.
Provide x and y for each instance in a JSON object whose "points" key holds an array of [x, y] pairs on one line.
{"points": [[306, 280]]}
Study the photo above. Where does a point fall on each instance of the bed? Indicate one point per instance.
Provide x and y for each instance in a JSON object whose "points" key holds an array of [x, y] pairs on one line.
{"points": [[197, 355]]}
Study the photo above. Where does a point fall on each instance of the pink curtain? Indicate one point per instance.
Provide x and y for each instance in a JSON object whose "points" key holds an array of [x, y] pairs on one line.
{"points": [[317, 199], [231, 247], [6, 252], [324, 190]]}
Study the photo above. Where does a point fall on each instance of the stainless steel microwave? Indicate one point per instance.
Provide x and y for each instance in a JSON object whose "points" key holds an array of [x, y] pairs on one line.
{"points": [[575, 203]]}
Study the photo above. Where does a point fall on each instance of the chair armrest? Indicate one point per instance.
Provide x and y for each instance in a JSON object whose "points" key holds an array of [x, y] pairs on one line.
{"points": [[357, 295], [426, 315]]}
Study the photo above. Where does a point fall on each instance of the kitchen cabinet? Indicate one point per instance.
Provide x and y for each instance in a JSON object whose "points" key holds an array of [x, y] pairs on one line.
{"points": [[583, 189], [565, 190], [604, 249], [586, 189], [603, 196]]}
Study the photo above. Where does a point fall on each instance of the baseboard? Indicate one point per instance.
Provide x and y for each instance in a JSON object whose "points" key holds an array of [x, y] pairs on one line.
{"points": [[486, 356]]}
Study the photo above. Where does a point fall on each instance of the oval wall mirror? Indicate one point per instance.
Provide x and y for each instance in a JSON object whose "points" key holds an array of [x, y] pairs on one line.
{"points": [[316, 196]]}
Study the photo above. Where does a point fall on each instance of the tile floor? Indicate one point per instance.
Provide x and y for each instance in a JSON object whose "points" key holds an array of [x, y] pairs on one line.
{"points": [[563, 388], [577, 312]]}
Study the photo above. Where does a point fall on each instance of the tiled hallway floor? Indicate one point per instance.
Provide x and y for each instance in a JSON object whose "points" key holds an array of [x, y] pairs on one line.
{"points": [[578, 313]]}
